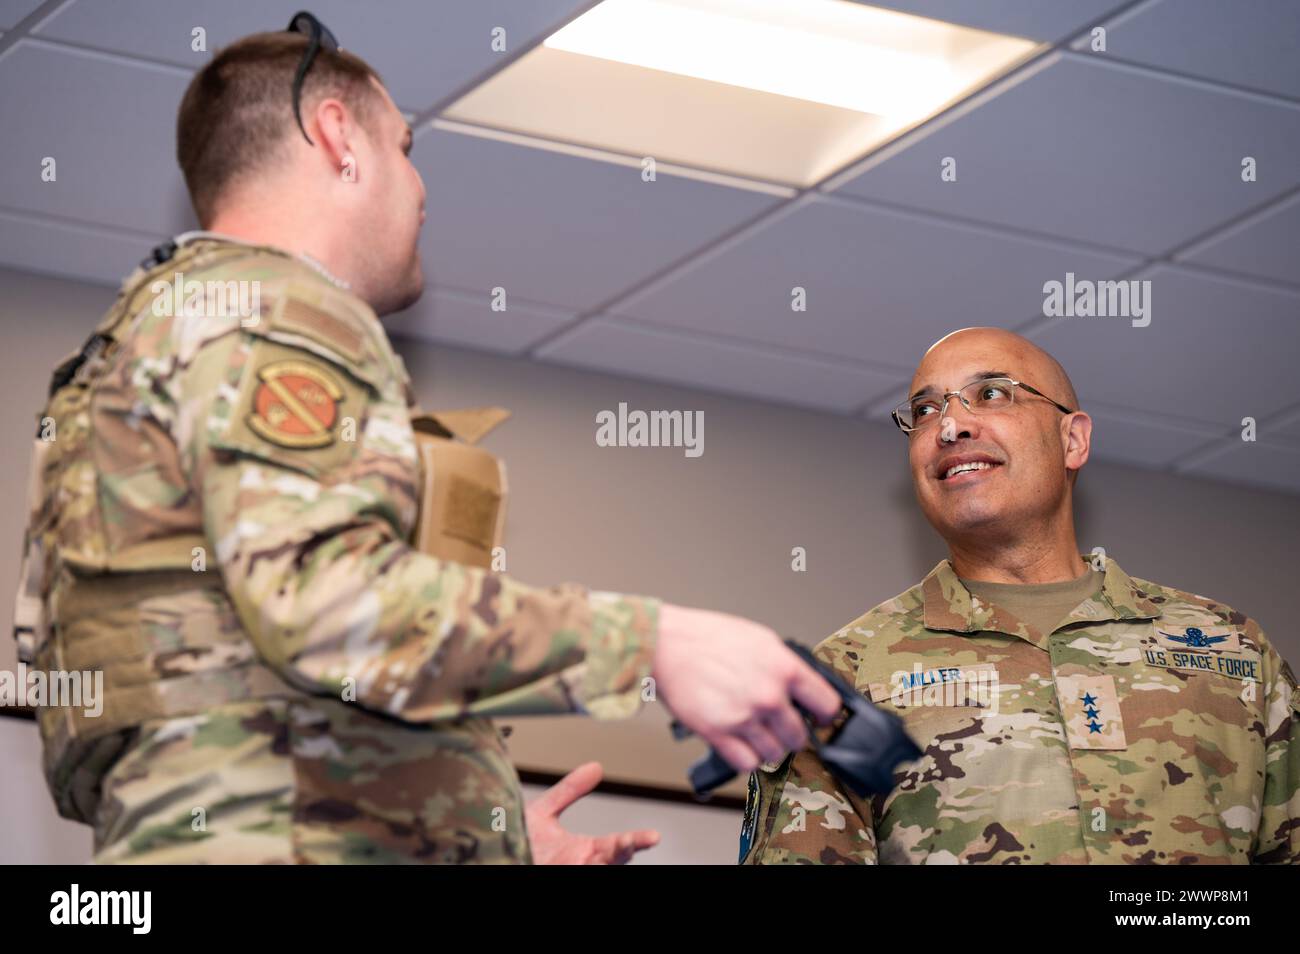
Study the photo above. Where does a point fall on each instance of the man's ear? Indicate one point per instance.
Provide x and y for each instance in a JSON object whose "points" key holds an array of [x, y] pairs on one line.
{"points": [[335, 132], [1076, 438]]}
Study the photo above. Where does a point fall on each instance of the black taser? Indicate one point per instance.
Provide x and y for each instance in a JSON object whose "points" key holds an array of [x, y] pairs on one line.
{"points": [[862, 753]]}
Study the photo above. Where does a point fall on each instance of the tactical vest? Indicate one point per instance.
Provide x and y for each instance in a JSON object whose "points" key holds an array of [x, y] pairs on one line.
{"points": [[78, 607]]}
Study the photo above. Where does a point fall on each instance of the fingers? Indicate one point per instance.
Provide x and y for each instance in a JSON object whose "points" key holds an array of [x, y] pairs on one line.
{"points": [[581, 781], [631, 842], [737, 753], [814, 693], [768, 736], [643, 839], [758, 737], [619, 849], [787, 725]]}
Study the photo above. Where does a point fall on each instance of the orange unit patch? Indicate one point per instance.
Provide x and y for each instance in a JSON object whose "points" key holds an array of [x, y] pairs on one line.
{"points": [[296, 404]]}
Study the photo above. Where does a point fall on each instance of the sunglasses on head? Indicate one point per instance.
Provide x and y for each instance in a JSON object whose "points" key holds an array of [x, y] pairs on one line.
{"points": [[318, 35]]}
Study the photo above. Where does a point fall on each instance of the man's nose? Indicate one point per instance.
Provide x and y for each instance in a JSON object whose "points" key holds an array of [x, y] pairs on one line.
{"points": [[956, 421]]}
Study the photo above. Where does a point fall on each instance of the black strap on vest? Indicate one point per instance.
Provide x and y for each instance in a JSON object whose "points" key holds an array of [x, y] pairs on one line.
{"points": [[98, 342], [65, 372], [162, 252]]}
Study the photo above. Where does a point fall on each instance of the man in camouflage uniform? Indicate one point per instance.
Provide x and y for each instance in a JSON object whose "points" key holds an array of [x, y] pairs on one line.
{"points": [[1068, 712], [225, 499]]}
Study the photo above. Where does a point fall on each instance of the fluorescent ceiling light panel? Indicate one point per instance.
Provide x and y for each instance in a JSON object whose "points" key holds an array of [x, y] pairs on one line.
{"points": [[780, 90]]}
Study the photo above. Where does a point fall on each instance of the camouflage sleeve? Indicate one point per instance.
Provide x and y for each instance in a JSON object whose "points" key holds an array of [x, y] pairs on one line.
{"points": [[798, 812], [1278, 839], [804, 818], [307, 477]]}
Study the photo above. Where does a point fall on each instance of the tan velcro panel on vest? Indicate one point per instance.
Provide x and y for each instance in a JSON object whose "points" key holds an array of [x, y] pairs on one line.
{"points": [[463, 487]]}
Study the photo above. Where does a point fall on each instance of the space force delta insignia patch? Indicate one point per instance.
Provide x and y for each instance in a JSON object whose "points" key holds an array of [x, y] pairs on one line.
{"points": [[1194, 638], [296, 404]]}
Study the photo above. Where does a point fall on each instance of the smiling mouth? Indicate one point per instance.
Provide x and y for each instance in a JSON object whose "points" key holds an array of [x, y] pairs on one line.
{"points": [[964, 472]]}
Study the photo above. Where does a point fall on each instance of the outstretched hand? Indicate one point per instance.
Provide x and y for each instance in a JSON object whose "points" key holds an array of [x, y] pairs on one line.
{"points": [[553, 845]]}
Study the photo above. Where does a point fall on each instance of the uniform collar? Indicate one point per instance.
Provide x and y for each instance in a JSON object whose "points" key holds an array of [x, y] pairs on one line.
{"points": [[948, 605], [200, 235]]}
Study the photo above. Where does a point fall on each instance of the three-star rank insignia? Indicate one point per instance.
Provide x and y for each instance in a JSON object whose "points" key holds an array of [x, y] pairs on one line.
{"points": [[296, 404], [1091, 711]]}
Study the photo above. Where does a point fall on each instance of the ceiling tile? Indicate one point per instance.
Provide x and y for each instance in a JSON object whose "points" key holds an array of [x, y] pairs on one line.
{"points": [[1266, 245], [1036, 19], [1272, 466], [1132, 438], [1100, 153], [82, 253], [881, 285], [1285, 427], [561, 230], [1211, 353], [425, 51], [12, 11], [452, 317], [1255, 46], [115, 166], [715, 366]]}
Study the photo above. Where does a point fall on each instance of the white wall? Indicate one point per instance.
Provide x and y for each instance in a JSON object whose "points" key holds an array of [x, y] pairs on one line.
{"points": [[31, 831]]}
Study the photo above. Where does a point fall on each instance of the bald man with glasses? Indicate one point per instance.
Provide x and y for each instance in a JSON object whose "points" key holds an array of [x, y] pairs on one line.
{"points": [[1069, 713]]}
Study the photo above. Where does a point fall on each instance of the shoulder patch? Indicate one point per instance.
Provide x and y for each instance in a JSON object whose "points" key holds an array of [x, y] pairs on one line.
{"points": [[295, 409], [296, 404]]}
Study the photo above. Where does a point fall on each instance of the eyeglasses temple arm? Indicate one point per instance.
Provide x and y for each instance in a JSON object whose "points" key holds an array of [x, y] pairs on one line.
{"points": [[313, 47], [1033, 390]]}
